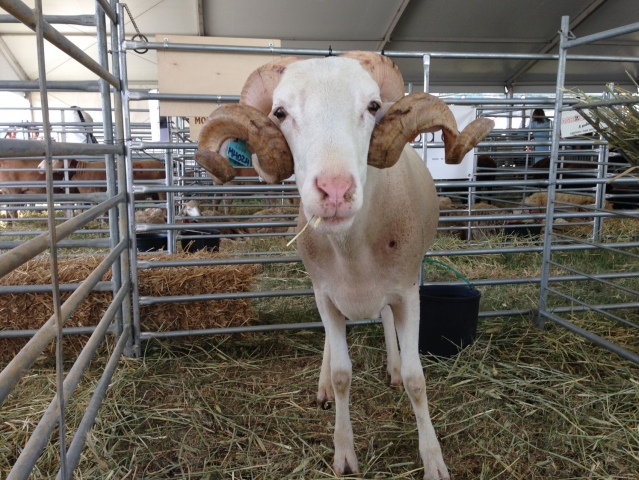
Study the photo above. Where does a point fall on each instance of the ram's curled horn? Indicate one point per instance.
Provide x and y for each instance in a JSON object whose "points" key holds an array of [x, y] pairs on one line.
{"points": [[259, 86], [274, 159], [470, 136], [418, 113], [384, 72]]}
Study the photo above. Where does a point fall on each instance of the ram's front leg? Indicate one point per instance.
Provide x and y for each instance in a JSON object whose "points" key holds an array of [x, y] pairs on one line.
{"points": [[394, 363], [340, 370], [325, 395], [406, 313]]}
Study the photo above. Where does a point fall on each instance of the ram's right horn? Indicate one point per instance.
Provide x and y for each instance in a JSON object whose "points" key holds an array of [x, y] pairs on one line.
{"points": [[274, 161]]}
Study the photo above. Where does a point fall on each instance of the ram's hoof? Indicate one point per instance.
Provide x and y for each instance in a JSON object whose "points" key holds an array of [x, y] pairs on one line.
{"points": [[324, 404]]}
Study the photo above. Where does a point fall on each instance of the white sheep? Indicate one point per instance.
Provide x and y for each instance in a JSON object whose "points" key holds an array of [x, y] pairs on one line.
{"points": [[368, 197], [150, 215]]}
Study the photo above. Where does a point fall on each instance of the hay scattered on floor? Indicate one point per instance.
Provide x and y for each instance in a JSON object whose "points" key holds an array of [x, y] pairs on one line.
{"points": [[518, 404], [31, 310]]}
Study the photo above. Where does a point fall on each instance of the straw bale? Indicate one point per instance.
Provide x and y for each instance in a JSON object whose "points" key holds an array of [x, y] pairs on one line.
{"points": [[31, 310]]}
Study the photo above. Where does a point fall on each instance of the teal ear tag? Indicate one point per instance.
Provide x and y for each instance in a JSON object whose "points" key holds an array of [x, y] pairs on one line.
{"points": [[238, 154]]}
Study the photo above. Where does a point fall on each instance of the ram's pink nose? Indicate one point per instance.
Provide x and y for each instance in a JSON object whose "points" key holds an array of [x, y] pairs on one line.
{"points": [[335, 189]]}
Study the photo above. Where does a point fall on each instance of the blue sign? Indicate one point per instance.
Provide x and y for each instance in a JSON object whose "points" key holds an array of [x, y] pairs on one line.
{"points": [[238, 154]]}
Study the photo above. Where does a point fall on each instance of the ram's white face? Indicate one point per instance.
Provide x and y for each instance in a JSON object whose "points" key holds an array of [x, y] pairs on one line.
{"points": [[326, 110]]}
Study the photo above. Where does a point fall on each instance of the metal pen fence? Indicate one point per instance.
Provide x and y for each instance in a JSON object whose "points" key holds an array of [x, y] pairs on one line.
{"points": [[562, 293], [507, 185], [117, 318]]}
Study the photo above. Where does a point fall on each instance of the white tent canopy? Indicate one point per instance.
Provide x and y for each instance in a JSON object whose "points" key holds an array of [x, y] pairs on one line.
{"points": [[496, 26]]}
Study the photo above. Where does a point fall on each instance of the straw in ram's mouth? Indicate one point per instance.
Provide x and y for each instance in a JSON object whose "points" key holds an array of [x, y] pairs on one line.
{"points": [[317, 221]]}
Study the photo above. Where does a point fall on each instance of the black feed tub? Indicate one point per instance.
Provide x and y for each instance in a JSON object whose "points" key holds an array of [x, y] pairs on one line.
{"points": [[195, 244], [448, 318], [151, 242], [520, 229]]}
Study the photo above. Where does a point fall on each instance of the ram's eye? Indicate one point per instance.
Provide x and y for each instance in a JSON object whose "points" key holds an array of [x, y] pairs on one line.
{"points": [[373, 107], [280, 114]]}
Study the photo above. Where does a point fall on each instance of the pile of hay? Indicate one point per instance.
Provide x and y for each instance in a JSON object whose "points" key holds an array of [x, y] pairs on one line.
{"points": [[619, 123], [31, 310]]}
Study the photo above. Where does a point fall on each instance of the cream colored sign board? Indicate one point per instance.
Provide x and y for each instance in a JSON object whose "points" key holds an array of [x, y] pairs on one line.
{"points": [[205, 73], [195, 126]]}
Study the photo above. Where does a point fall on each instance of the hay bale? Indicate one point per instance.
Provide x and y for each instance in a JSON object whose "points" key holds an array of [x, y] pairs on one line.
{"points": [[32, 310]]}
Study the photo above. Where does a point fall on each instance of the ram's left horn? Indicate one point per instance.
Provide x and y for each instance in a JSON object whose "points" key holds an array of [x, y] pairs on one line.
{"points": [[274, 159], [419, 113], [470, 136]]}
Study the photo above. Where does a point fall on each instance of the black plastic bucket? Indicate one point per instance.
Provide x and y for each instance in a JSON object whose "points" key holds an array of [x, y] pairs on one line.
{"points": [[151, 242], [195, 244], [448, 318]]}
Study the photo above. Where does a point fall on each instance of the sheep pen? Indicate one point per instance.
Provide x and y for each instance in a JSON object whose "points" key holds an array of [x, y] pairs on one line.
{"points": [[518, 403]]}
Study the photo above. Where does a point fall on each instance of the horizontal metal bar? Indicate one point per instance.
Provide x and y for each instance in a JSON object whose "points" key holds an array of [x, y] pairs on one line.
{"points": [[613, 32], [609, 315], [184, 47], [319, 325], [106, 286], [486, 102], [40, 436], [91, 411], [526, 249], [295, 259], [11, 147], [63, 197], [255, 328], [223, 296], [27, 16], [183, 97], [54, 124], [83, 20], [153, 227], [144, 264], [306, 292], [33, 86], [29, 249], [106, 6], [30, 352], [218, 188], [596, 339], [606, 103], [521, 143], [30, 333], [88, 243]]}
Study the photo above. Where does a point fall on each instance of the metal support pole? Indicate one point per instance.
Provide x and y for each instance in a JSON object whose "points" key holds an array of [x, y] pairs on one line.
{"points": [[108, 9], [109, 160], [426, 63], [170, 196], [600, 189], [123, 216], [59, 364], [133, 254], [552, 177]]}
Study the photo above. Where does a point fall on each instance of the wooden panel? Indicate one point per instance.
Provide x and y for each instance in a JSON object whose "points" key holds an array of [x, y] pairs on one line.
{"points": [[206, 73]]}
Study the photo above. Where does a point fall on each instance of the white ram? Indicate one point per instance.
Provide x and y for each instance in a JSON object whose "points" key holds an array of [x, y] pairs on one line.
{"points": [[372, 203]]}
